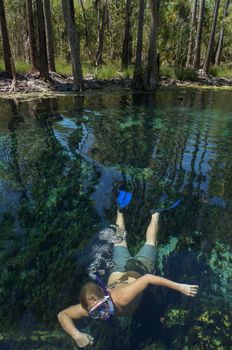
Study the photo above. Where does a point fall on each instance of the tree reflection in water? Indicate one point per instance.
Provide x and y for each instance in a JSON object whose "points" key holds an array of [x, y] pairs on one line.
{"points": [[63, 177]]}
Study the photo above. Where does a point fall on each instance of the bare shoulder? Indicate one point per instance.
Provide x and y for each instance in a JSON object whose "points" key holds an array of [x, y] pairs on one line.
{"points": [[75, 312]]}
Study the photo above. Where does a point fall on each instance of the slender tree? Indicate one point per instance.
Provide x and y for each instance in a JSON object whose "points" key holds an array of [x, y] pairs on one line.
{"points": [[191, 35], [99, 60], [5, 40], [221, 36], [74, 43], [87, 39], [32, 36], [49, 35], [43, 59], [211, 38], [151, 76], [197, 47], [127, 38], [138, 71]]}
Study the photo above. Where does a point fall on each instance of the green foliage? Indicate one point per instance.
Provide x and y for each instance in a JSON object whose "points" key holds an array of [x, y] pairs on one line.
{"points": [[173, 36], [224, 71], [174, 32], [128, 72], [22, 67], [88, 69], [220, 263], [2, 66], [167, 71], [164, 252], [39, 339], [63, 68], [109, 71], [213, 329], [186, 74], [176, 317], [41, 265], [190, 73], [137, 173]]}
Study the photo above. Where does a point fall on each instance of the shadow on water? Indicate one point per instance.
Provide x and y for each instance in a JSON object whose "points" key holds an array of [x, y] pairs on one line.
{"points": [[62, 161]]}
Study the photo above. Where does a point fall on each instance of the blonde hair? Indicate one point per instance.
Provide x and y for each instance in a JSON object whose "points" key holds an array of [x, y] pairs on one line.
{"points": [[90, 292]]}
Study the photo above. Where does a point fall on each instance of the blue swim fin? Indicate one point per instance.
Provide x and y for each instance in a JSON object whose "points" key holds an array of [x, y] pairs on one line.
{"points": [[161, 210], [124, 199]]}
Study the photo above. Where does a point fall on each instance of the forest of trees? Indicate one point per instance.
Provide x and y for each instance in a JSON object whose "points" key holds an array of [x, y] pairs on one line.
{"points": [[144, 35]]}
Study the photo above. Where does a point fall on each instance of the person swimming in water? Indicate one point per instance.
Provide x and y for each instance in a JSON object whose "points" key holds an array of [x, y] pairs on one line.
{"points": [[128, 280]]}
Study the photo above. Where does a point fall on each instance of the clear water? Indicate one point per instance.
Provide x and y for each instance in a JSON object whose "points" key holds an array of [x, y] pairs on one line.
{"points": [[59, 181]]}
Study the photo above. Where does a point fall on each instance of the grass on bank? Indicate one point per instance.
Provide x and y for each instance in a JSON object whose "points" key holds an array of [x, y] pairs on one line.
{"points": [[20, 67], [177, 73], [112, 70], [108, 71], [224, 71]]}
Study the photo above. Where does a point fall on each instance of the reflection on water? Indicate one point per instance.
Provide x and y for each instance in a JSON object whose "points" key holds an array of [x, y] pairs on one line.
{"points": [[62, 162]]}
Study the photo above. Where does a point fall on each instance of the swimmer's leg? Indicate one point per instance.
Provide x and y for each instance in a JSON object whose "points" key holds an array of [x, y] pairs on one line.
{"points": [[152, 230], [147, 254], [120, 251], [120, 222]]}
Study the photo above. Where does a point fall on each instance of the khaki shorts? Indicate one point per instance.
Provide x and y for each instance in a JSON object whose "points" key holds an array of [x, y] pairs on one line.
{"points": [[143, 262]]}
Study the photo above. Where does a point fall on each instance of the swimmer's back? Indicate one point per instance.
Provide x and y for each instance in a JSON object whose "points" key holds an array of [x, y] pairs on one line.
{"points": [[122, 278], [116, 283]]}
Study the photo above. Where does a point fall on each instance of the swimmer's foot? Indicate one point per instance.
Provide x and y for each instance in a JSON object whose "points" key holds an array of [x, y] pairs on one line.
{"points": [[154, 211], [166, 209], [123, 201], [120, 209]]}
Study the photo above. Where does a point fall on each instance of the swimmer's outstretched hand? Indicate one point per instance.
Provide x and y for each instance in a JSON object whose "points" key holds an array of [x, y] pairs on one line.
{"points": [[84, 340], [189, 290]]}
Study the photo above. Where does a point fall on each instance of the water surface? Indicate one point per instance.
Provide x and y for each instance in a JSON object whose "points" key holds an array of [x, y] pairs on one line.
{"points": [[59, 180]]}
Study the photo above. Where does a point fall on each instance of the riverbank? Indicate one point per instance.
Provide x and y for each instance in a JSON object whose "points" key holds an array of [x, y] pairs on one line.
{"points": [[29, 85]]}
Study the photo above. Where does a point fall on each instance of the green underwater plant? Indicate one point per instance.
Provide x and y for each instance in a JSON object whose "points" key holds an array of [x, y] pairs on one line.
{"points": [[220, 264], [176, 317], [213, 330], [136, 173], [164, 251], [210, 330]]}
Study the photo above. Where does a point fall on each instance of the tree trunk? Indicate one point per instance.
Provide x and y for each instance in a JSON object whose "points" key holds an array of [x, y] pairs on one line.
{"points": [[221, 37], [211, 38], [87, 42], [99, 60], [74, 43], [49, 36], [5, 40], [32, 36], [127, 39], [191, 36], [138, 72], [151, 77], [197, 47], [43, 59]]}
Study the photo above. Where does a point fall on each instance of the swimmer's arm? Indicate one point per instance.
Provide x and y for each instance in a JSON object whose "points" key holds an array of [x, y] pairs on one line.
{"points": [[67, 316], [131, 291]]}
